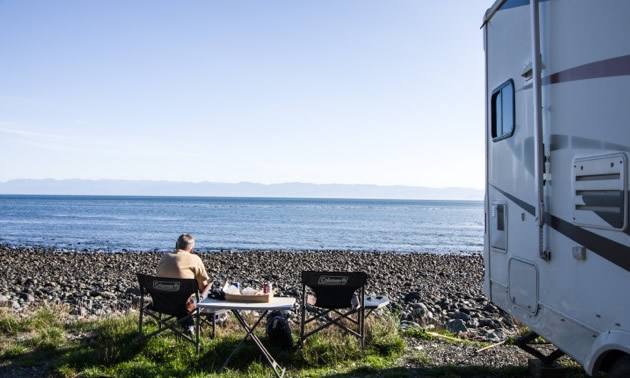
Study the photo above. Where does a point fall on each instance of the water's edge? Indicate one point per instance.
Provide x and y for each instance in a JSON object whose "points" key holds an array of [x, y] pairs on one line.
{"points": [[202, 251]]}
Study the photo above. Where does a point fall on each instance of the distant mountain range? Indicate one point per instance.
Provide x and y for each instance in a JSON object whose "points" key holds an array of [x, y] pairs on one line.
{"points": [[242, 189]]}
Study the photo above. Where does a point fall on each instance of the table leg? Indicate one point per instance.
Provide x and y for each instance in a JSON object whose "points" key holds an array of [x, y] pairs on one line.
{"points": [[250, 333]]}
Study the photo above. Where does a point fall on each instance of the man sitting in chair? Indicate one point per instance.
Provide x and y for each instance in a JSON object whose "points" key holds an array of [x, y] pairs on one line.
{"points": [[184, 264]]}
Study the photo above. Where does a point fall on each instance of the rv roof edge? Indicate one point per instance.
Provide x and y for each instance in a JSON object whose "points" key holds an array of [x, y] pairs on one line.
{"points": [[491, 11]]}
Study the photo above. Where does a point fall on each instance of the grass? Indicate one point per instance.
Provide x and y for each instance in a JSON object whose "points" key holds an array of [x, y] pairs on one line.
{"points": [[50, 341], [522, 331], [60, 346]]}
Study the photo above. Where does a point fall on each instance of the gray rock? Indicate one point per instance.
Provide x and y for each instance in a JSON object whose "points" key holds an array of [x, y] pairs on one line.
{"points": [[489, 308], [26, 297], [107, 295], [412, 297], [133, 291], [80, 311], [419, 308], [461, 315], [507, 322], [500, 334], [472, 323], [486, 323], [495, 324], [456, 326], [492, 337]]}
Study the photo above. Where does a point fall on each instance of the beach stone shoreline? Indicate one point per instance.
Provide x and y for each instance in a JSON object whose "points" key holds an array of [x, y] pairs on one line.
{"points": [[426, 290]]}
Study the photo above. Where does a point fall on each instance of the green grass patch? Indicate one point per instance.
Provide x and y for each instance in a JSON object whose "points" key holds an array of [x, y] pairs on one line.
{"points": [[14, 350], [417, 333], [420, 358], [110, 347], [522, 332]]}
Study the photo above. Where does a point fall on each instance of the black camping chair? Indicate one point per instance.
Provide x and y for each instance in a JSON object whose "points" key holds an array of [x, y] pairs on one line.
{"points": [[168, 297], [334, 291]]}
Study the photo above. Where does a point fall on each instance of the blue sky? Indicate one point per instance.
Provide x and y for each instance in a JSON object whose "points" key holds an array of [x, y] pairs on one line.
{"points": [[327, 91]]}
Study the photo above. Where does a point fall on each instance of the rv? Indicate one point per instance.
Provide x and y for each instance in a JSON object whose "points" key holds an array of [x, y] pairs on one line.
{"points": [[557, 239]]}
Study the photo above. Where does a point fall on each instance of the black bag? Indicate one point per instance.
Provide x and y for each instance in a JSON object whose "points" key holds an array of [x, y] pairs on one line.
{"points": [[217, 293], [278, 330]]}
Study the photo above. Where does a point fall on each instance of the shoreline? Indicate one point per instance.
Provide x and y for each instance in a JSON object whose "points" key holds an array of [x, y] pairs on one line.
{"points": [[203, 251], [425, 289]]}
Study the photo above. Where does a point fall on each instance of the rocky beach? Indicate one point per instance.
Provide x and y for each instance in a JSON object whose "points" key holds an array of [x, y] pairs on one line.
{"points": [[426, 290]]}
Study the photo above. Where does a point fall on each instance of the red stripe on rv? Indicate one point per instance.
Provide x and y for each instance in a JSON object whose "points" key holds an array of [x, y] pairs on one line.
{"points": [[618, 66]]}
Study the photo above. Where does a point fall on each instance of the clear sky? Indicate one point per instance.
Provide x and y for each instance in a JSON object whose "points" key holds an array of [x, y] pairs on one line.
{"points": [[326, 91]]}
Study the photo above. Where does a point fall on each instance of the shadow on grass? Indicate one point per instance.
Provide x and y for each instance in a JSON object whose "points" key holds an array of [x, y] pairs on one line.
{"points": [[166, 355], [128, 355], [103, 347], [111, 347]]}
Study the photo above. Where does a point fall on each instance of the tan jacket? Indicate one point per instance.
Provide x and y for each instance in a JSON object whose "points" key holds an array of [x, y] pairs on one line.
{"points": [[182, 264]]}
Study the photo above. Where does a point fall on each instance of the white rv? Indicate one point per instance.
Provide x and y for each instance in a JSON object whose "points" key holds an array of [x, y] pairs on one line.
{"points": [[557, 239]]}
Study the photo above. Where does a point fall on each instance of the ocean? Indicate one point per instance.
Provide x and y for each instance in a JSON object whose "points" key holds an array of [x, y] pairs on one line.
{"points": [[129, 223]]}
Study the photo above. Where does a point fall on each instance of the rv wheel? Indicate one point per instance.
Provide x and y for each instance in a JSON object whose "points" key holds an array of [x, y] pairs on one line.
{"points": [[620, 369]]}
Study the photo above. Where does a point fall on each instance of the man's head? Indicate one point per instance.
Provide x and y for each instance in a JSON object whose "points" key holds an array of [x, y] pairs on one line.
{"points": [[185, 242]]}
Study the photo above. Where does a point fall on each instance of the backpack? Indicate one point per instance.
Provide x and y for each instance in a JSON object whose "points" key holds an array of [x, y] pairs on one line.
{"points": [[278, 330]]}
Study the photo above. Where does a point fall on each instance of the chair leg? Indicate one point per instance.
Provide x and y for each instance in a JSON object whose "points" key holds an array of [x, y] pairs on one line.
{"points": [[214, 325], [362, 317], [362, 327], [303, 316], [197, 324], [140, 322], [141, 312]]}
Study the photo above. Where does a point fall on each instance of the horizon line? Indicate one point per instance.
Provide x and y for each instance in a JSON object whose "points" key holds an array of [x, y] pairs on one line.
{"points": [[240, 182], [239, 197]]}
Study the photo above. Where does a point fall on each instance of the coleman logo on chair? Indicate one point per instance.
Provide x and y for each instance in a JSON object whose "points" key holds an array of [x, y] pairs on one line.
{"points": [[332, 280], [166, 285]]}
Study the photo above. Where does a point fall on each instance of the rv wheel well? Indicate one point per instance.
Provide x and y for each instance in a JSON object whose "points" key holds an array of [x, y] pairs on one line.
{"points": [[607, 360]]}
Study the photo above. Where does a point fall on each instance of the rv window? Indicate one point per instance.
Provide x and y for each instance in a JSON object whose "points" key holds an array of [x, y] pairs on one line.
{"points": [[502, 109], [497, 129], [500, 218]]}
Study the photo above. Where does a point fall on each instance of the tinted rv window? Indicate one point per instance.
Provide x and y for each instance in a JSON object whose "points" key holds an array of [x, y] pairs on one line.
{"points": [[497, 119], [503, 111]]}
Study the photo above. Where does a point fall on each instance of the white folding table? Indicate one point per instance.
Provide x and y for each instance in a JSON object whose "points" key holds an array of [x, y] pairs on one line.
{"points": [[276, 303], [374, 302]]}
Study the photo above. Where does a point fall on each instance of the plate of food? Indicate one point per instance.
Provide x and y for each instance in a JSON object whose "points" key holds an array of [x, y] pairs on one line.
{"points": [[246, 295]]}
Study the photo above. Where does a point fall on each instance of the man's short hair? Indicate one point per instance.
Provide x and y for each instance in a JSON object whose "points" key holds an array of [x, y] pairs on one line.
{"points": [[185, 242]]}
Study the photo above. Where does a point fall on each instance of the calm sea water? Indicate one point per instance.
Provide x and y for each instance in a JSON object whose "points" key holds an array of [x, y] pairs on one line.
{"points": [[148, 223]]}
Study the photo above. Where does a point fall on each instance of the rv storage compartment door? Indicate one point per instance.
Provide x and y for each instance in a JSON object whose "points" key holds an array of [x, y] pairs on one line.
{"points": [[600, 193], [498, 226], [523, 278]]}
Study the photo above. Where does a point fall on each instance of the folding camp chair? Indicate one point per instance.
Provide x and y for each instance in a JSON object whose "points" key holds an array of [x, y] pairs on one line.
{"points": [[168, 297], [334, 291]]}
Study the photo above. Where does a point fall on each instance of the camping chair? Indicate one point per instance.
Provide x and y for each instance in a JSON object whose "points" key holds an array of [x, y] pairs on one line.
{"points": [[334, 291], [168, 297]]}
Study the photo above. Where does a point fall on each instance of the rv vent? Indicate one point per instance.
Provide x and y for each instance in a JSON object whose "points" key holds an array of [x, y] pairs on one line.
{"points": [[600, 193]]}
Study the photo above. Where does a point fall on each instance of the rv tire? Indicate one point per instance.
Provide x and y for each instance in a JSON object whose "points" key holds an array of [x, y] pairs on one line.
{"points": [[621, 368]]}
